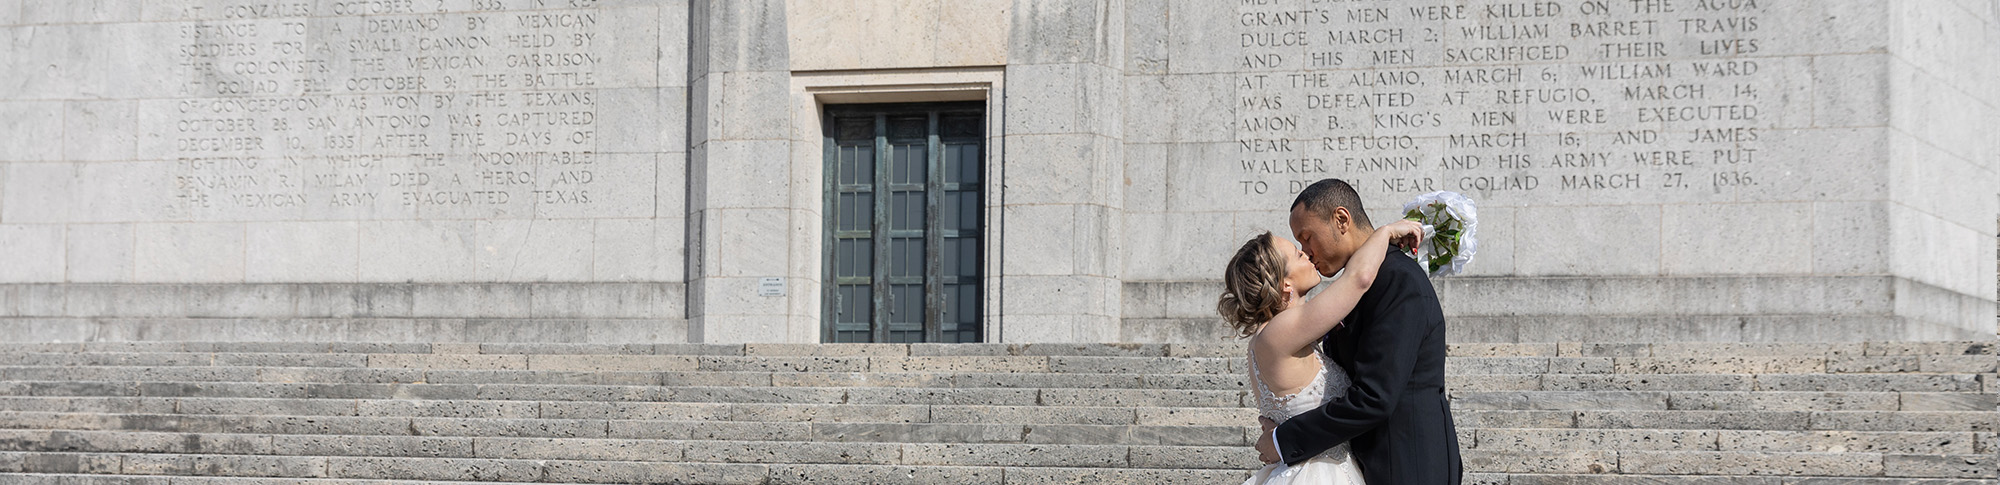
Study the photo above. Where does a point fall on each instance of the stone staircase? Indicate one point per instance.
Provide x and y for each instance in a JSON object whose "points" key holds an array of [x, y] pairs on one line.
{"points": [[255, 413]]}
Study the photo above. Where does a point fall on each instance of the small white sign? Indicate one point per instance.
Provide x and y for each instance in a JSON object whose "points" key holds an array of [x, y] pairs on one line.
{"points": [[770, 287]]}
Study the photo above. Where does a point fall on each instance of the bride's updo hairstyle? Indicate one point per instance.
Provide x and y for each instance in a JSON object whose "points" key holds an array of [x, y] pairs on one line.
{"points": [[1252, 286]]}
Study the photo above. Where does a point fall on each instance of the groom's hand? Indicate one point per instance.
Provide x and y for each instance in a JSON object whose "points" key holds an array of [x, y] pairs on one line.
{"points": [[1266, 450]]}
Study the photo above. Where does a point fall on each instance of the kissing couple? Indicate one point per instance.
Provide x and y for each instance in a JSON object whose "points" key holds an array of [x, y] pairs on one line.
{"points": [[1367, 403]]}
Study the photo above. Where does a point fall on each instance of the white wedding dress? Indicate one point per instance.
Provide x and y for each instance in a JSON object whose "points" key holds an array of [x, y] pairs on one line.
{"points": [[1334, 466]]}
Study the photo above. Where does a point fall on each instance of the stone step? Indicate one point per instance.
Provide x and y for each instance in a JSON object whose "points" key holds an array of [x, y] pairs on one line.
{"points": [[650, 363], [1724, 401], [76, 479], [1915, 382], [1846, 464], [1231, 455], [773, 474], [1647, 462], [1842, 365], [211, 347], [333, 393], [885, 350], [1719, 349], [710, 401], [1165, 378], [831, 432], [783, 413], [1226, 349], [1850, 364], [313, 375], [1921, 421], [600, 420], [1635, 478], [1170, 461], [1799, 468], [190, 359], [1891, 442], [590, 419]]}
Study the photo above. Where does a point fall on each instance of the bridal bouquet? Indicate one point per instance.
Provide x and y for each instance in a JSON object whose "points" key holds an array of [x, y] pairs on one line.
{"points": [[1449, 221]]}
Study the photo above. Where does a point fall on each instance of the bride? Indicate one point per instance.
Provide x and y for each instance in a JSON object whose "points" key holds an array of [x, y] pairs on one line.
{"points": [[1264, 299]]}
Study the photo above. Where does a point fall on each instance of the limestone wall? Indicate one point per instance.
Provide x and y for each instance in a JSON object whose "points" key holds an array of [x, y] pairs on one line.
{"points": [[1698, 170], [339, 168], [625, 170]]}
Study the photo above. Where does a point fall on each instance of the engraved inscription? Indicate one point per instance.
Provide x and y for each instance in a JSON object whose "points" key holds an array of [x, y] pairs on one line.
{"points": [[1503, 100], [385, 109]]}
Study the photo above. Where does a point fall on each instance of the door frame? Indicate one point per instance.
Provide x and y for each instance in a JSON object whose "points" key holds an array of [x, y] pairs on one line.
{"points": [[813, 90]]}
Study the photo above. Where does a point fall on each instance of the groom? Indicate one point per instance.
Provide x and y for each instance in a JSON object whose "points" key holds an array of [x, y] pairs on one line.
{"points": [[1395, 414]]}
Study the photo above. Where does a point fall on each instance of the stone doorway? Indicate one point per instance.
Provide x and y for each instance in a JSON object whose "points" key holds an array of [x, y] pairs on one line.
{"points": [[903, 211]]}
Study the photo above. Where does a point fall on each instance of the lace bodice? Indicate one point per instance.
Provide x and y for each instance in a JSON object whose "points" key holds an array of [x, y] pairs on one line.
{"points": [[1329, 382]]}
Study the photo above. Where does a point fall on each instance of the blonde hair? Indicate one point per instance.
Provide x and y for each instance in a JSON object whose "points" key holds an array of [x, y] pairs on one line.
{"points": [[1252, 286]]}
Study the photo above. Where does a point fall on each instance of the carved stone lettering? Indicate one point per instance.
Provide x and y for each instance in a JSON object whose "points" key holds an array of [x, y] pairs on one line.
{"points": [[1505, 101], [384, 109]]}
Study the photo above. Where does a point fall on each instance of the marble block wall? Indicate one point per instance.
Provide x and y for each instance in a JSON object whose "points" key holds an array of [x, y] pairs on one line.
{"points": [[1645, 170], [627, 170], [1064, 156], [335, 170], [742, 197]]}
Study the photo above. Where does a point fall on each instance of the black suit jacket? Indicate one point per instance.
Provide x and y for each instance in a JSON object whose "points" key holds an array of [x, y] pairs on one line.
{"points": [[1395, 415]]}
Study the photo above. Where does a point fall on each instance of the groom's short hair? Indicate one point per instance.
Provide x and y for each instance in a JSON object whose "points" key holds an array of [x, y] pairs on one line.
{"points": [[1323, 196]]}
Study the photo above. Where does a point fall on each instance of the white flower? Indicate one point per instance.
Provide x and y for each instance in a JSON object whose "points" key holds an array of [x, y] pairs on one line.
{"points": [[1450, 224]]}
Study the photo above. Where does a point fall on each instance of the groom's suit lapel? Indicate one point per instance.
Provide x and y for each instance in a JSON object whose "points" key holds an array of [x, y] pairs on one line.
{"points": [[1340, 341], [1339, 346]]}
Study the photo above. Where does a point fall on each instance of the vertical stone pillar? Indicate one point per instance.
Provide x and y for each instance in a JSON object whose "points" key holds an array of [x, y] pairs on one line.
{"points": [[1941, 115], [740, 200], [1182, 221], [1064, 154]]}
